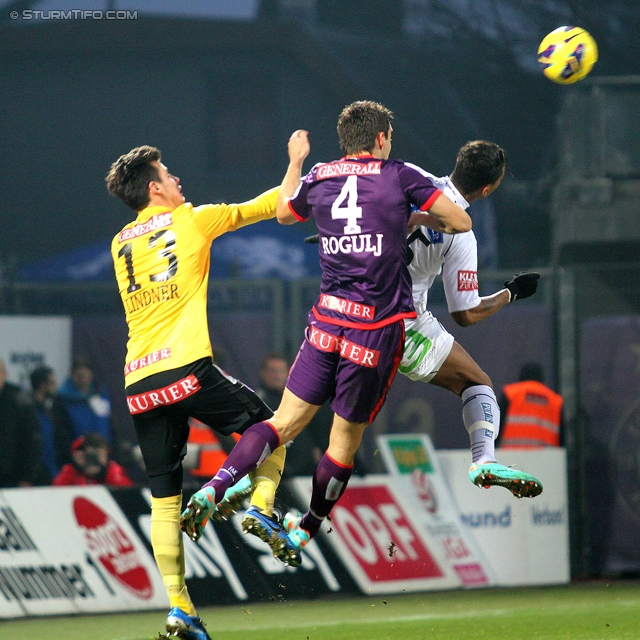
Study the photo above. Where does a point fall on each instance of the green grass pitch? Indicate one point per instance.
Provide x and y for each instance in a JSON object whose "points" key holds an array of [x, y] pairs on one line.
{"points": [[586, 612]]}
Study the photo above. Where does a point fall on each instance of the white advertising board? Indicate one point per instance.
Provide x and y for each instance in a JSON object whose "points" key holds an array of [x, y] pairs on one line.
{"points": [[526, 541], [14, 542], [72, 550], [373, 531], [413, 460], [29, 341]]}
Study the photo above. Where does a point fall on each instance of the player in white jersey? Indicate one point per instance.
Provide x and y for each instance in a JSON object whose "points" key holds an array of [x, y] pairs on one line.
{"points": [[431, 354]]}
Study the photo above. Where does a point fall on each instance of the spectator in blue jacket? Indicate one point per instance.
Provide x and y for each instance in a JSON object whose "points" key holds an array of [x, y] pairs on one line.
{"points": [[87, 404], [55, 423]]}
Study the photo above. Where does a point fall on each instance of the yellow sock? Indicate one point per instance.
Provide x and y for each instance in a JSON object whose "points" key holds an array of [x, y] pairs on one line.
{"points": [[265, 480], [166, 540]]}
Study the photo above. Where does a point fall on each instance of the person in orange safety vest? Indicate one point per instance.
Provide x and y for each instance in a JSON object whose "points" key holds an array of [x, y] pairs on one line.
{"points": [[205, 451], [533, 412]]}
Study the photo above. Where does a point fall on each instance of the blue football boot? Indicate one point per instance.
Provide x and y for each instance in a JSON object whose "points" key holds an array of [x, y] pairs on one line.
{"points": [[269, 530], [185, 627]]}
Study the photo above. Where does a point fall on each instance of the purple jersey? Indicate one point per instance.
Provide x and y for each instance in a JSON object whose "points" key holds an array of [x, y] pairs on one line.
{"points": [[361, 207]]}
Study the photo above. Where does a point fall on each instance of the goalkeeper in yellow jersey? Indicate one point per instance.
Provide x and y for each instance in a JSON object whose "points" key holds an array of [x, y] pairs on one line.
{"points": [[162, 267]]}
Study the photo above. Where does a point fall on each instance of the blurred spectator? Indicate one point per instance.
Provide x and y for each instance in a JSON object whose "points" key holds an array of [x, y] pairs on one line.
{"points": [[305, 451], [273, 377], [531, 412], [87, 404], [90, 464], [20, 440], [56, 428]]}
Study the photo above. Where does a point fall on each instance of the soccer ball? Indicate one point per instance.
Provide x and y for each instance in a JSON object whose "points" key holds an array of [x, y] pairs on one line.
{"points": [[567, 54]]}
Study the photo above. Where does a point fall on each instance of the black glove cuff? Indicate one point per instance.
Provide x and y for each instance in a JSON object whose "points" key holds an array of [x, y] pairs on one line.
{"points": [[512, 288]]}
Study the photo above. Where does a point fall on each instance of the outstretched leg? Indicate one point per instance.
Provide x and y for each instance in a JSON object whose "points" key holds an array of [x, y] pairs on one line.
{"points": [[259, 485], [260, 520], [481, 416], [329, 481], [254, 448], [480, 413]]}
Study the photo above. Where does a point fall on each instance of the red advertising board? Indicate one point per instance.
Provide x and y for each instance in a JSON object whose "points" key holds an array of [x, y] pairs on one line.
{"points": [[379, 542], [381, 537]]}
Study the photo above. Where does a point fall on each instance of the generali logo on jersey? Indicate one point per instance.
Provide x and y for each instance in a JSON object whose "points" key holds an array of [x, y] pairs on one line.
{"points": [[110, 544], [157, 221], [467, 280], [342, 168]]}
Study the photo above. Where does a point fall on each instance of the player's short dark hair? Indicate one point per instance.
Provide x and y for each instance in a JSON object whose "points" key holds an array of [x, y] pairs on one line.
{"points": [[360, 123], [40, 375], [479, 164], [130, 175]]}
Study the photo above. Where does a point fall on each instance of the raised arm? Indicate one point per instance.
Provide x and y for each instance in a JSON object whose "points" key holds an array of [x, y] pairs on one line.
{"points": [[519, 287], [420, 218], [454, 219], [487, 307], [216, 219], [298, 150]]}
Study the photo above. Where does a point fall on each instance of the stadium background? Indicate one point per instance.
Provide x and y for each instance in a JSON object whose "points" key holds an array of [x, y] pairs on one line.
{"points": [[219, 86]]}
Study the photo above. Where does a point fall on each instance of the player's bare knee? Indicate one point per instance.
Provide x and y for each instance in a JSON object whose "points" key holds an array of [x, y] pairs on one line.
{"points": [[480, 378], [288, 429], [486, 380]]}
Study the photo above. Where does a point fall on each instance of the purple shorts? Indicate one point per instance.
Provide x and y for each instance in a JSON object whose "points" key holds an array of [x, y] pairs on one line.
{"points": [[353, 368]]}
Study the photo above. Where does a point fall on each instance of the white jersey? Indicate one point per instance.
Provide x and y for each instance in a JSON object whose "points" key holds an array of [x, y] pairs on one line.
{"points": [[456, 256]]}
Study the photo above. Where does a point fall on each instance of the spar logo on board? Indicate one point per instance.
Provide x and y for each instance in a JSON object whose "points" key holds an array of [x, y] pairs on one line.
{"points": [[110, 544], [425, 490], [380, 537], [409, 455]]}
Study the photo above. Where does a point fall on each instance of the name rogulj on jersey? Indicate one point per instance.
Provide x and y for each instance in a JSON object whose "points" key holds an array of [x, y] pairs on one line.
{"points": [[352, 244]]}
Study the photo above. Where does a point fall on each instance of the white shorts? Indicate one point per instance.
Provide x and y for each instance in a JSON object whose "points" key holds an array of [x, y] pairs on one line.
{"points": [[427, 345]]}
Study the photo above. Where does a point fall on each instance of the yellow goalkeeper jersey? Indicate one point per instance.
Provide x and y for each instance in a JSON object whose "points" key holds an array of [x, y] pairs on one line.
{"points": [[162, 267]]}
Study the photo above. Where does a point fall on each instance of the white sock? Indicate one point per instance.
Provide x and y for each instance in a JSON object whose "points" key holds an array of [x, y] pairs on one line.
{"points": [[481, 417]]}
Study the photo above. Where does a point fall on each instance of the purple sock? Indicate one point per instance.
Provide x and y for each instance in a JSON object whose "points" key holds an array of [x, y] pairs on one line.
{"points": [[329, 482], [255, 446]]}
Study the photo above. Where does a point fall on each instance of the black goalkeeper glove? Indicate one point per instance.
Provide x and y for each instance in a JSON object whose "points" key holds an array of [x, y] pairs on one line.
{"points": [[312, 239], [522, 285]]}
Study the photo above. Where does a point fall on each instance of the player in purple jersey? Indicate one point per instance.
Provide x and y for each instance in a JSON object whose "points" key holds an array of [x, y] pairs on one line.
{"points": [[354, 341], [361, 205]]}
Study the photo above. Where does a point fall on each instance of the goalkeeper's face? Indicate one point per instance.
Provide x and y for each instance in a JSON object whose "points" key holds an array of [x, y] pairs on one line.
{"points": [[168, 186]]}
